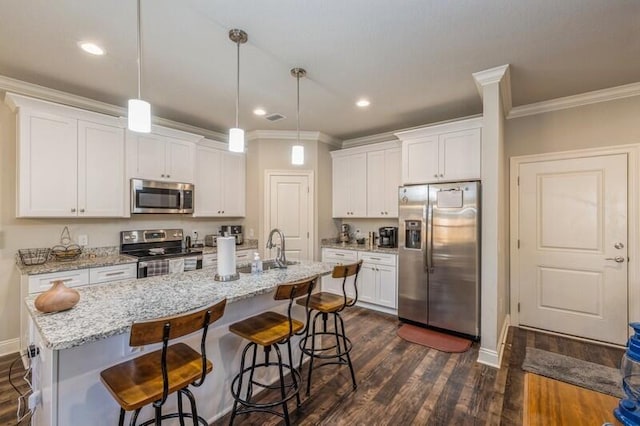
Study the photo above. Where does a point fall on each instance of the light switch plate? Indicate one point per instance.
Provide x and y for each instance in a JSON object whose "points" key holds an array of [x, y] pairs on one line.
{"points": [[83, 240]]}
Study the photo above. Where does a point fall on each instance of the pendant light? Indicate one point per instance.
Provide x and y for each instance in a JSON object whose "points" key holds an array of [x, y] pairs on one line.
{"points": [[139, 114], [297, 151], [236, 134]]}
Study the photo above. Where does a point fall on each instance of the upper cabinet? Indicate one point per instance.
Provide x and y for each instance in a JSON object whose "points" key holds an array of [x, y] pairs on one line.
{"points": [[219, 182], [165, 154], [445, 152], [366, 180], [70, 163]]}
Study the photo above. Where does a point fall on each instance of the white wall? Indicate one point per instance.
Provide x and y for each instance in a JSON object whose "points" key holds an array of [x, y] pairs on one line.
{"points": [[30, 233]]}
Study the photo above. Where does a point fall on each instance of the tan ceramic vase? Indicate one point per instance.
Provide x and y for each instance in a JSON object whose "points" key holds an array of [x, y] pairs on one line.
{"points": [[58, 298]]}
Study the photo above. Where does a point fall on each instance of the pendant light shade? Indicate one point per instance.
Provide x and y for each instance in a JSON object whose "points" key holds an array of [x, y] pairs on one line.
{"points": [[139, 111], [236, 134], [297, 151]]}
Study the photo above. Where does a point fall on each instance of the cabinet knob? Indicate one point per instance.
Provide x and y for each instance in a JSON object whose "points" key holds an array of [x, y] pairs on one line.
{"points": [[441, 175], [436, 175], [81, 210], [222, 211], [73, 210], [168, 175], [162, 175]]}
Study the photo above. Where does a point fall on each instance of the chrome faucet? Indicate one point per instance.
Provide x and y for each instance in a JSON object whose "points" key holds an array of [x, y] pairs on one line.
{"points": [[281, 258]]}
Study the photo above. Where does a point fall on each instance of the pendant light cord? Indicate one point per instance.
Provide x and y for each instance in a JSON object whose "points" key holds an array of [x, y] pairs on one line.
{"points": [[298, 108], [139, 55], [238, 82]]}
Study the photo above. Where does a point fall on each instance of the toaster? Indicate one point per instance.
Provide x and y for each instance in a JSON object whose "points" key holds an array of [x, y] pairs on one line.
{"points": [[211, 240]]}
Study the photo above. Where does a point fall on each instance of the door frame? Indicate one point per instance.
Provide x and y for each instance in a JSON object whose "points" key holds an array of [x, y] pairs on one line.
{"points": [[311, 211], [633, 220]]}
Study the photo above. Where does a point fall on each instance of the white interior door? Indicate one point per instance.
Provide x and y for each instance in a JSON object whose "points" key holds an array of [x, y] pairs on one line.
{"points": [[289, 208], [573, 247]]}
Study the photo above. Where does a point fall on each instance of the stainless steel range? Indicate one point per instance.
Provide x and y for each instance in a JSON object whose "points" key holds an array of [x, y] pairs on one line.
{"points": [[159, 251]]}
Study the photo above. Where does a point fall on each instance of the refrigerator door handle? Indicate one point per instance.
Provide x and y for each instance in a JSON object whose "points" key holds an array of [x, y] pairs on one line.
{"points": [[429, 242]]}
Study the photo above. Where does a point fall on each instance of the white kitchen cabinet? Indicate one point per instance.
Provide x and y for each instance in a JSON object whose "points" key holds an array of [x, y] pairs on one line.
{"points": [[378, 279], [210, 260], [446, 152], [383, 180], [70, 162], [107, 274], [338, 257], [160, 157], [350, 185], [244, 256], [220, 183]]}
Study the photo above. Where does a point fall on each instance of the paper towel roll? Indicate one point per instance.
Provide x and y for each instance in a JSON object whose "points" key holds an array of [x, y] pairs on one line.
{"points": [[226, 256]]}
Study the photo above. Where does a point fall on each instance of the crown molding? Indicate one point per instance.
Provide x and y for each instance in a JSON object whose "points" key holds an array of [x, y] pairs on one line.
{"points": [[292, 135], [441, 127], [500, 75], [603, 95], [370, 147], [368, 140], [20, 87]]}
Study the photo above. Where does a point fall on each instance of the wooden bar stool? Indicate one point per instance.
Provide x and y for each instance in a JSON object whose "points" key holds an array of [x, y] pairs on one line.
{"points": [[270, 330], [150, 378], [328, 303]]}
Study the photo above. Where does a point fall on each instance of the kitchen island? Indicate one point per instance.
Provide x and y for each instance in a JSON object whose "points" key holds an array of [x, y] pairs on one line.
{"points": [[76, 345]]}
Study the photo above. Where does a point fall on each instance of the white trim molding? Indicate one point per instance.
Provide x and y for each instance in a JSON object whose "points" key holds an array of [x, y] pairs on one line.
{"points": [[500, 75], [443, 127], [8, 84], [366, 148], [368, 140], [10, 346], [288, 135], [604, 95], [494, 358]]}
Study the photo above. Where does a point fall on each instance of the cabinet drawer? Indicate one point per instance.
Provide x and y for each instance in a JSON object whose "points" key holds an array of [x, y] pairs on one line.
{"points": [[340, 256], [113, 273], [377, 258], [244, 256], [40, 283], [209, 260]]}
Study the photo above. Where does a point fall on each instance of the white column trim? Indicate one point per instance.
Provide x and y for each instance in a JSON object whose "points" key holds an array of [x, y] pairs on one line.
{"points": [[500, 74], [494, 358]]}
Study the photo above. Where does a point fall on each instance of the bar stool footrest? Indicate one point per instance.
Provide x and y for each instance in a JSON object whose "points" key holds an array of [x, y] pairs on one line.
{"points": [[317, 352], [256, 406]]}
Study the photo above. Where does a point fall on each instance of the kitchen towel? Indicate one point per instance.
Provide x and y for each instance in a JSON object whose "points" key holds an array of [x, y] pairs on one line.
{"points": [[176, 266], [157, 267], [190, 263], [226, 256]]}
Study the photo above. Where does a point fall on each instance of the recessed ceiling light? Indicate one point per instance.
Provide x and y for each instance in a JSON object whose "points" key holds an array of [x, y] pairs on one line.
{"points": [[259, 111], [362, 103], [92, 48]]}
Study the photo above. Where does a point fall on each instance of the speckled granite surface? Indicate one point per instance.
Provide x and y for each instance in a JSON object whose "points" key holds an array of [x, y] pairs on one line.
{"points": [[106, 310], [246, 245], [358, 247], [82, 263]]}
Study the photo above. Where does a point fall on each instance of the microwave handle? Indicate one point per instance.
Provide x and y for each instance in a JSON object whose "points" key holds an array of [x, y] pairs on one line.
{"points": [[181, 200]]}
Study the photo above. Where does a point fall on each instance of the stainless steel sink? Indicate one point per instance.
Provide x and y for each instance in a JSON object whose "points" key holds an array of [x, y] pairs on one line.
{"points": [[266, 265]]}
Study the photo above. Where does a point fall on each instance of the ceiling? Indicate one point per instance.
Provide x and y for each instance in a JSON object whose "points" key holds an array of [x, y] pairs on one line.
{"points": [[412, 58]]}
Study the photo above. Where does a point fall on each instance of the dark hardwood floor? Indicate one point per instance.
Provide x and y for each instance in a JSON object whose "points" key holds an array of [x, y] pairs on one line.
{"points": [[8, 395], [400, 383]]}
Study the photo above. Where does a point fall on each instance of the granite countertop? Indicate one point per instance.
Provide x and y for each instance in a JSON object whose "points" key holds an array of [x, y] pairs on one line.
{"points": [[246, 245], [358, 247], [105, 310], [81, 263]]}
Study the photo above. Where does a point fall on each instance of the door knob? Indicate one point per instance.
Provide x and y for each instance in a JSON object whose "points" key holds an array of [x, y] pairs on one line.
{"points": [[618, 259], [619, 246]]}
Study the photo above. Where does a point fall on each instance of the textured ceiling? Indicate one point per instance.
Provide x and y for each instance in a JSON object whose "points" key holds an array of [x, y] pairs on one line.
{"points": [[412, 58]]}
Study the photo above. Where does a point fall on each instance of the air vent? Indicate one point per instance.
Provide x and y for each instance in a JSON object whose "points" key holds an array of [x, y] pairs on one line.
{"points": [[275, 117]]}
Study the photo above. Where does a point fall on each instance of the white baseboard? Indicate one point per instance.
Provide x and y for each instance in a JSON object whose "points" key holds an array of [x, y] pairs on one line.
{"points": [[493, 358], [10, 346]]}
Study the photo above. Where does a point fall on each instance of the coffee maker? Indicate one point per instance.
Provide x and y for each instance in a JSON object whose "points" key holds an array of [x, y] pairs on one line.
{"points": [[344, 233], [388, 237], [233, 231]]}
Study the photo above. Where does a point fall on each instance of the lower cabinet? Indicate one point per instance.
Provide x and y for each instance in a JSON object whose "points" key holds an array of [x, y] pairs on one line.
{"points": [[377, 282]]}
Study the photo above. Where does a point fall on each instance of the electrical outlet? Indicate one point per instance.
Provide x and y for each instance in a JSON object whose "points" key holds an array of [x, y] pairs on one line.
{"points": [[83, 240], [194, 234], [34, 399]]}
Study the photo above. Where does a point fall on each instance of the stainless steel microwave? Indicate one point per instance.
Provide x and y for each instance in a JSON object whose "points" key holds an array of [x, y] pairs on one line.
{"points": [[150, 196]]}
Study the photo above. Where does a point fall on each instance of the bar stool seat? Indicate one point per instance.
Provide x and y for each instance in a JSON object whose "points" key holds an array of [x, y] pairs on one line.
{"points": [[269, 330], [326, 345], [152, 377]]}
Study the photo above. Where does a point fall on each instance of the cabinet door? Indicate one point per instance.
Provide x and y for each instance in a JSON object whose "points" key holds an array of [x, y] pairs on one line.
{"points": [[233, 186], [376, 184], [208, 182], [420, 160], [179, 161], [460, 155], [101, 175], [367, 283], [151, 156], [392, 163], [48, 165], [386, 286], [357, 179], [341, 187]]}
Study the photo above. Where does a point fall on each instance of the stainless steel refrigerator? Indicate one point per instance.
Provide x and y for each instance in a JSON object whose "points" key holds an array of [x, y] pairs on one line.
{"points": [[439, 256]]}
